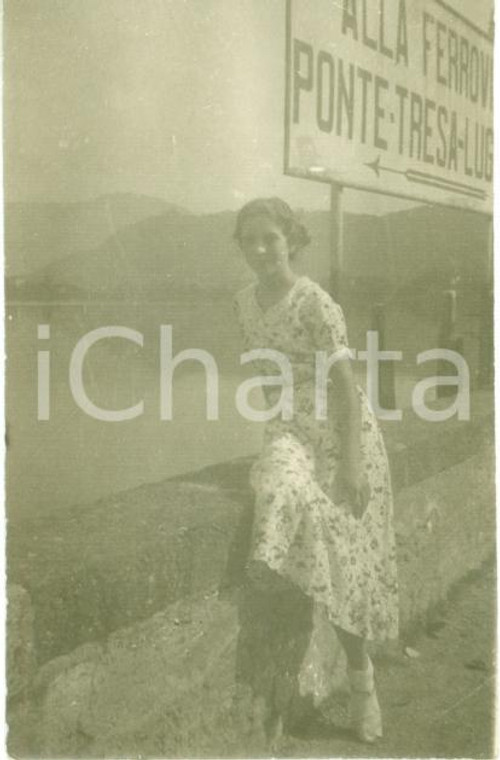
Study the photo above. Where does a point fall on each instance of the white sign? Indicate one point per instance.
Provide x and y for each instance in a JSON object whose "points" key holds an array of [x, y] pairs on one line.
{"points": [[392, 96]]}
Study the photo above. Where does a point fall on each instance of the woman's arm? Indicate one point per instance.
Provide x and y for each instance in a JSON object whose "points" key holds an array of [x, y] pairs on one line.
{"points": [[324, 319], [352, 482]]}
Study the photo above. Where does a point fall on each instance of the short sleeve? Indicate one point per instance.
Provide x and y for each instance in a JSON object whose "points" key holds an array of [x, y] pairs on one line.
{"points": [[324, 319]]}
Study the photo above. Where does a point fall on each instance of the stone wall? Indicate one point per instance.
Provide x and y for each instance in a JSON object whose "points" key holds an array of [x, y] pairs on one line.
{"points": [[131, 631]]}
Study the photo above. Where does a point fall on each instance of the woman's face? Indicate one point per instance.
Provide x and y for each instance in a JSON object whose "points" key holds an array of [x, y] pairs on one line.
{"points": [[265, 247]]}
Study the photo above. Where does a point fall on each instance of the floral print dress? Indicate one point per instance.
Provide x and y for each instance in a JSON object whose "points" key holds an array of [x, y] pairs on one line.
{"points": [[299, 531]]}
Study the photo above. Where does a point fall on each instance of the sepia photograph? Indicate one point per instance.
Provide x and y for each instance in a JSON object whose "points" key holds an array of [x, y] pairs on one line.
{"points": [[250, 493]]}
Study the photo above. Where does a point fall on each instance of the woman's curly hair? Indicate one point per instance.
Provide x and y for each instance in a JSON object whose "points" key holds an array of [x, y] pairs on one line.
{"points": [[282, 215]]}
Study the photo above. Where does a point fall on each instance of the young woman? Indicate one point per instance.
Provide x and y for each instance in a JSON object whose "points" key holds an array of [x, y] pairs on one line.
{"points": [[323, 514]]}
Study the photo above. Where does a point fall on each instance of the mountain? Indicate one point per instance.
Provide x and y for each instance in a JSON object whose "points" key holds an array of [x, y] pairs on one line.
{"points": [[158, 255], [402, 257], [38, 233], [419, 253]]}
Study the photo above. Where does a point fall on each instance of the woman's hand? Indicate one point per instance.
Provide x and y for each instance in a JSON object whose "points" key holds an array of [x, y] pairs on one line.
{"points": [[351, 486]]}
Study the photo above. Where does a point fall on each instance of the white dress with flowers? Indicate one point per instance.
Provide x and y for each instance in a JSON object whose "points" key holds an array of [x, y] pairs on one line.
{"points": [[346, 564]]}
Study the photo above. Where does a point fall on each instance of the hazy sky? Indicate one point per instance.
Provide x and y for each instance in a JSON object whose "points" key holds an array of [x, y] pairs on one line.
{"points": [[181, 99]]}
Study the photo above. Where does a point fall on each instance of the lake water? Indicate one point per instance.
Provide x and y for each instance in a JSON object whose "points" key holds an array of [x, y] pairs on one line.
{"points": [[74, 458]]}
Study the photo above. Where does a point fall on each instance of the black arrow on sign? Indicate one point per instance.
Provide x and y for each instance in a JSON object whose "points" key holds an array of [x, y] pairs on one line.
{"points": [[424, 178]]}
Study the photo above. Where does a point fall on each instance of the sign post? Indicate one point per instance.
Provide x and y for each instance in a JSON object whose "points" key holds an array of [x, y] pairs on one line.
{"points": [[337, 240]]}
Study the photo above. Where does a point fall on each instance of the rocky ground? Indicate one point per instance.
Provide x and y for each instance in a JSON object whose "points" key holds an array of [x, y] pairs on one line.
{"points": [[165, 687], [438, 697]]}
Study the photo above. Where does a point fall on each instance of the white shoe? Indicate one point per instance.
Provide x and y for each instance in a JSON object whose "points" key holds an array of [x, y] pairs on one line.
{"points": [[366, 718]]}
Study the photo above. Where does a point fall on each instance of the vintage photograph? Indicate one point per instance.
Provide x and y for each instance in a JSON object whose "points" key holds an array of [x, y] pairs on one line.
{"points": [[249, 378]]}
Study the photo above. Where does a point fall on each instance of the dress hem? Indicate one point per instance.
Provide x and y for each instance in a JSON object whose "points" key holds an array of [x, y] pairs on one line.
{"points": [[332, 618]]}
